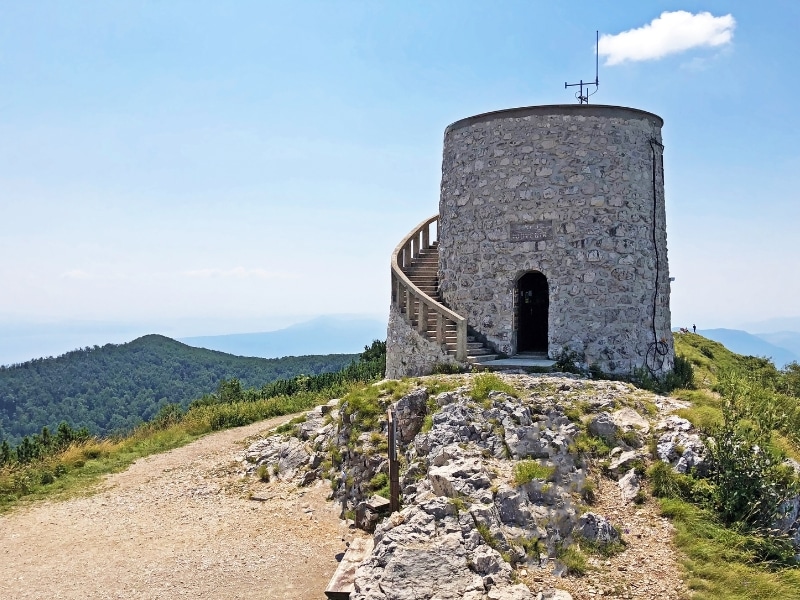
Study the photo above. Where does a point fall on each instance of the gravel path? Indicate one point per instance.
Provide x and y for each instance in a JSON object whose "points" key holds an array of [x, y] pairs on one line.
{"points": [[174, 525]]}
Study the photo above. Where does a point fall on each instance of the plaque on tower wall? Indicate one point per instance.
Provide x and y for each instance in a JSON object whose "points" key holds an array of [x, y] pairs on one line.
{"points": [[531, 232]]}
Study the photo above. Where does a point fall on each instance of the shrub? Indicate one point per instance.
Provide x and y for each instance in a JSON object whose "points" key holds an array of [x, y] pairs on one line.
{"points": [[567, 361], [745, 471], [486, 534], [446, 368], [526, 471], [377, 482], [380, 485], [588, 491], [666, 483], [263, 473], [573, 560], [590, 445], [489, 382], [458, 504]]}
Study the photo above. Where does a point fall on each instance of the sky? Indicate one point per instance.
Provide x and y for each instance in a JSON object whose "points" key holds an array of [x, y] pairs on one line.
{"points": [[199, 168]]}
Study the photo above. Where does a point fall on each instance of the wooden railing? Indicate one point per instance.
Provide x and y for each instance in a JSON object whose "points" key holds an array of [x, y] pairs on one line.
{"points": [[417, 305]]}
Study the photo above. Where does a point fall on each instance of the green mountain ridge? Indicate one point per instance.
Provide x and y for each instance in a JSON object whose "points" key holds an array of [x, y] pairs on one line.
{"points": [[115, 387]]}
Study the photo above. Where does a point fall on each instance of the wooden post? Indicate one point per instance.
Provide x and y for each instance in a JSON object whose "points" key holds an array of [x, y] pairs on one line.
{"points": [[394, 467]]}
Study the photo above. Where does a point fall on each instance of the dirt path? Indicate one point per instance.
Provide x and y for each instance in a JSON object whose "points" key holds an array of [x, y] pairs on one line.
{"points": [[174, 525]]}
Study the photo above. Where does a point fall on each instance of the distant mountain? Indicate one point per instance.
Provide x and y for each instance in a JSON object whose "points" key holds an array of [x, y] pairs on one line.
{"points": [[323, 335], [774, 324], [115, 387], [790, 340], [750, 344]]}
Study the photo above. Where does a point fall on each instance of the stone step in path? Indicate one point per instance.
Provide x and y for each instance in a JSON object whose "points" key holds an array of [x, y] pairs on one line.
{"points": [[342, 582]]}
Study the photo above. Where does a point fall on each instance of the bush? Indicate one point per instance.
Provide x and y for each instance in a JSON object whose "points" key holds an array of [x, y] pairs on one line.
{"points": [[573, 560], [489, 382], [745, 471], [526, 471], [567, 361]]}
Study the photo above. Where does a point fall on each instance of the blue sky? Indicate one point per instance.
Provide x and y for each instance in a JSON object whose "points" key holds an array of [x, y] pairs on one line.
{"points": [[195, 168]]}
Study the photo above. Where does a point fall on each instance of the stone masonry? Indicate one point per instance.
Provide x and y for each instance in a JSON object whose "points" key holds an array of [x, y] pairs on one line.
{"points": [[568, 191], [408, 353]]}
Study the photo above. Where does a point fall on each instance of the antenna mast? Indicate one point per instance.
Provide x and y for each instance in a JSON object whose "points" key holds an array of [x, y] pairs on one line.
{"points": [[584, 98]]}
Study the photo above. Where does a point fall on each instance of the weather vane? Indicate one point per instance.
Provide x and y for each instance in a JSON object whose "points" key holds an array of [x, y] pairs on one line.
{"points": [[583, 98]]}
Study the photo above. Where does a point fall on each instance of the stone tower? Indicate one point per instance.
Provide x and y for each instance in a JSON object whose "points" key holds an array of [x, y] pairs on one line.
{"points": [[552, 235]]}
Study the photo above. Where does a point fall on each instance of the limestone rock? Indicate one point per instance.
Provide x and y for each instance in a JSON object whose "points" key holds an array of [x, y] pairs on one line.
{"points": [[596, 528], [628, 419], [514, 592], [623, 462], [410, 411], [554, 594], [604, 426], [369, 512], [629, 485], [680, 446], [287, 455]]}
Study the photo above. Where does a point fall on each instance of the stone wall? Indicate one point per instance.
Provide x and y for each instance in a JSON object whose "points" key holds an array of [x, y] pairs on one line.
{"points": [[408, 354], [566, 191]]}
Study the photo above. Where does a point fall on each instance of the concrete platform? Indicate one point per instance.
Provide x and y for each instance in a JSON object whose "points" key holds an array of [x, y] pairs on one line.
{"points": [[520, 361]]}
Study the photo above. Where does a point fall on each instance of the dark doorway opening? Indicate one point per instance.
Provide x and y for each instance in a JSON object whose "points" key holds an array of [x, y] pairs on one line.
{"points": [[533, 305]]}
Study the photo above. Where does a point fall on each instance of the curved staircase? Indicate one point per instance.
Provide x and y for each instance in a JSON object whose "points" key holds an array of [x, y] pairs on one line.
{"points": [[415, 291]]}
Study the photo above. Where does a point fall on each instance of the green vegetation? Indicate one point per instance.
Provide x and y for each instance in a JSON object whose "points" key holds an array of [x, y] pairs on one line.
{"points": [[489, 382], [526, 471], [458, 504], [589, 445], [606, 550], [365, 407], [114, 388], [573, 560], [380, 485], [70, 461], [750, 412], [723, 562]]}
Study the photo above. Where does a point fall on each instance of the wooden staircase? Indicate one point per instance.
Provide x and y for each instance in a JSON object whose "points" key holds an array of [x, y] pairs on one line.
{"points": [[424, 273]]}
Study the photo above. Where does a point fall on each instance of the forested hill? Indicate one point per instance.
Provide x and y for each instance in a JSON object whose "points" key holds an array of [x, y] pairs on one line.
{"points": [[116, 386]]}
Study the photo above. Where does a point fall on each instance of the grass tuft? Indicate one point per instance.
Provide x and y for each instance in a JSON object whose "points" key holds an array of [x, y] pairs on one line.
{"points": [[526, 471]]}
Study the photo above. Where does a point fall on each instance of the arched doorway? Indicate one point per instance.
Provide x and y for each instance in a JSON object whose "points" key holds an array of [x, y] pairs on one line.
{"points": [[533, 304]]}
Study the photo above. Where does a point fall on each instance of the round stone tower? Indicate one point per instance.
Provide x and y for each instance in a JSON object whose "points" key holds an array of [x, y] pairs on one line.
{"points": [[552, 234]]}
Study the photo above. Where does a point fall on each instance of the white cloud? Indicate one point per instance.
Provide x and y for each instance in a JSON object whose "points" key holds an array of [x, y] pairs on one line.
{"points": [[75, 274], [238, 273], [671, 33]]}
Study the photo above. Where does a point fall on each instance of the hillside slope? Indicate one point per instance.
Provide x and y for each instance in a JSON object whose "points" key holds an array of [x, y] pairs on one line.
{"points": [[749, 344], [115, 387]]}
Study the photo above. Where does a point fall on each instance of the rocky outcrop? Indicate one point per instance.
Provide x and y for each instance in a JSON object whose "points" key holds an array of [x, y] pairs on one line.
{"points": [[680, 445], [488, 485]]}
